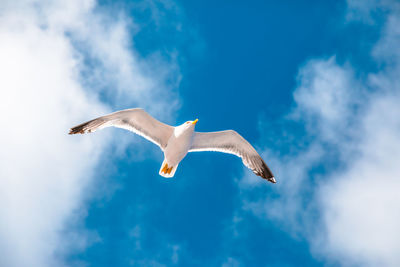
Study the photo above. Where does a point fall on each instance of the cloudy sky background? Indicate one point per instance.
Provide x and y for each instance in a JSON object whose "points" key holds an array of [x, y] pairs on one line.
{"points": [[314, 86]]}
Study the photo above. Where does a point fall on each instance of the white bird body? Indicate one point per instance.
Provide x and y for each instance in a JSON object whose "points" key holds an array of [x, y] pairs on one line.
{"points": [[177, 147], [177, 141]]}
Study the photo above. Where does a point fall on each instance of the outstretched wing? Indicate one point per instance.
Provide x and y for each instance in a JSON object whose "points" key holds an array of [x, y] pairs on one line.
{"points": [[233, 143], [136, 120]]}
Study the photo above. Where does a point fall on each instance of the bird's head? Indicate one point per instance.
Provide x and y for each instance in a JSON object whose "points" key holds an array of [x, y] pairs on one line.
{"points": [[190, 124], [185, 127]]}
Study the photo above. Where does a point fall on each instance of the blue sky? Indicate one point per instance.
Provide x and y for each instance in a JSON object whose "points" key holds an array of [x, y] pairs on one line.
{"points": [[313, 85]]}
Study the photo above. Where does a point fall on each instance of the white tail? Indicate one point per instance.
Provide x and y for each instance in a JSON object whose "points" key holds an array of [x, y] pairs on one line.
{"points": [[167, 170]]}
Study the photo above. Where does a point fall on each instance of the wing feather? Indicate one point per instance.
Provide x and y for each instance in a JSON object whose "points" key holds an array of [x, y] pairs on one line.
{"points": [[136, 120], [233, 143]]}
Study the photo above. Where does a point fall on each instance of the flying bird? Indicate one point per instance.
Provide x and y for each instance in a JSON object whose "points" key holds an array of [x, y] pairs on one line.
{"points": [[177, 141]]}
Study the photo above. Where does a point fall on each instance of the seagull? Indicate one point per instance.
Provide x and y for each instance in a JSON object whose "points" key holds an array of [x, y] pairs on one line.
{"points": [[177, 141]]}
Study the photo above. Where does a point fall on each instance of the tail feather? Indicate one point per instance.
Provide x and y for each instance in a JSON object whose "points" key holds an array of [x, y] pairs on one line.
{"points": [[167, 170]]}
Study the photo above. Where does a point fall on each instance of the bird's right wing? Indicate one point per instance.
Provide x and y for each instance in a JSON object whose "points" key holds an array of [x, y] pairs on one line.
{"points": [[233, 143], [136, 120]]}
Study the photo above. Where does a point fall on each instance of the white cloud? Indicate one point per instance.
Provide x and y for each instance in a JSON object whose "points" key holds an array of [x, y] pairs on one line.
{"points": [[145, 256], [324, 96], [47, 86], [339, 188], [360, 206], [368, 11]]}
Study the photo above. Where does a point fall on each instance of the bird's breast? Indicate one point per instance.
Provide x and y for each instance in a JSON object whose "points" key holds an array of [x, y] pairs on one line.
{"points": [[177, 147]]}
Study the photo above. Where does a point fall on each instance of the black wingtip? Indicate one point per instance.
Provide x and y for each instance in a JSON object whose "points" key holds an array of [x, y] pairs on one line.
{"points": [[267, 174], [82, 128], [78, 129]]}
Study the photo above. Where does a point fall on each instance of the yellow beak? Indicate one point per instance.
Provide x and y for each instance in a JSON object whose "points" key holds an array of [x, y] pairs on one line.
{"points": [[195, 121]]}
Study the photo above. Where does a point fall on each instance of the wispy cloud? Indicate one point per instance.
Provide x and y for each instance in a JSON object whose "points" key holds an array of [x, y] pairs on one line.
{"points": [[140, 255], [338, 184], [59, 59]]}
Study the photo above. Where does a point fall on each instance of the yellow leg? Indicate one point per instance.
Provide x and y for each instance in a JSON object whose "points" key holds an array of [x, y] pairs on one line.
{"points": [[169, 170], [164, 170]]}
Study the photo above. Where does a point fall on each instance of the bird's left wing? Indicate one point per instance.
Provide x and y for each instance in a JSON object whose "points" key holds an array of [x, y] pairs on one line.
{"points": [[136, 120], [233, 143]]}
